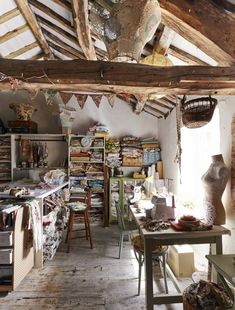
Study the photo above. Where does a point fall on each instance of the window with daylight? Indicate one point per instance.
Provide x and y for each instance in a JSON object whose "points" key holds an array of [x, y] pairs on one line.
{"points": [[198, 145]]}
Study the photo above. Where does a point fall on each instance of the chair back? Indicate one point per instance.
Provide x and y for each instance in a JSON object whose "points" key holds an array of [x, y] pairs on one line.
{"points": [[120, 216]]}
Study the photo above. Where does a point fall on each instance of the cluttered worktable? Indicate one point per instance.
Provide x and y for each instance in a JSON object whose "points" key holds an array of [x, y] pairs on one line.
{"points": [[23, 191], [171, 236]]}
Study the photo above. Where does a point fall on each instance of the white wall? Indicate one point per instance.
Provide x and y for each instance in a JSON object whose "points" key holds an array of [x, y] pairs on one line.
{"points": [[167, 137], [120, 119]]}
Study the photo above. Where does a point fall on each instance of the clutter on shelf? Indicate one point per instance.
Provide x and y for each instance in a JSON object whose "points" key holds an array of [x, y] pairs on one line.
{"points": [[98, 130]]}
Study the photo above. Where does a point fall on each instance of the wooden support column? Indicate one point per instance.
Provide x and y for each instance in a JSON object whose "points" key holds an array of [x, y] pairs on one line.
{"points": [[81, 21]]}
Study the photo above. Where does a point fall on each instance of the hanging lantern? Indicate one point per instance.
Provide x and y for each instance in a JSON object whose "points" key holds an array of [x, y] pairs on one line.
{"points": [[156, 59], [130, 26]]}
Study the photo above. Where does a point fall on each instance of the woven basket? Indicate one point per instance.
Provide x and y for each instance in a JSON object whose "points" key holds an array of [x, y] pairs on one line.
{"points": [[197, 112]]}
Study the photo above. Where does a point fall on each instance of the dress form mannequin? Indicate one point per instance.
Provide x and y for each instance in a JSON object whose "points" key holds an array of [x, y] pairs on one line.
{"points": [[214, 181]]}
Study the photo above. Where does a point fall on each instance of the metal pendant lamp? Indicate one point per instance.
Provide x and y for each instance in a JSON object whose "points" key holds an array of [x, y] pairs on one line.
{"points": [[130, 26]]}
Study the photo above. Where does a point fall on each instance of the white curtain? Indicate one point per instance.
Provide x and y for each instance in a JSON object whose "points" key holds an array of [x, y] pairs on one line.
{"points": [[198, 145]]}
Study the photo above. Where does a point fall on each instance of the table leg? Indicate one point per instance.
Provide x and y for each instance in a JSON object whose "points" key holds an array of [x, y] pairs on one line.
{"points": [[216, 248], [148, 274]]}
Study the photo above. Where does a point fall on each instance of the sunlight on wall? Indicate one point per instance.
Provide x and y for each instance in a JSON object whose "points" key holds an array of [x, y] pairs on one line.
{"points": [[198, 145]]}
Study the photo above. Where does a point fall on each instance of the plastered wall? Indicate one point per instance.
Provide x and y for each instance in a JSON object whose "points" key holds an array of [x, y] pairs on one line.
{"points": [[120, 119]]}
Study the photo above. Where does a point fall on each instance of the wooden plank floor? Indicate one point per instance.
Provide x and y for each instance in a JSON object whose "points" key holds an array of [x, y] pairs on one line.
{"points": [[87, 279]]}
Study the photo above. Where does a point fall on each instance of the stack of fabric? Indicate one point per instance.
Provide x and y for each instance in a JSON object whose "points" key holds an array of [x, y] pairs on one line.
{"points": [[131, 151], [98, 130], [78, 155], [151, 151], [54, 224], [112, 150]]}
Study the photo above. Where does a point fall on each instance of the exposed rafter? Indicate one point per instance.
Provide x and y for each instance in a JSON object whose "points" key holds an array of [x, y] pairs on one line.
{"points": [[202, 23], [163, 43], [9, 15], [33, 24], [109, 77], [49, 12], [22, 50], [186, 57], [75, 52], [80, 16], [13, 33]]}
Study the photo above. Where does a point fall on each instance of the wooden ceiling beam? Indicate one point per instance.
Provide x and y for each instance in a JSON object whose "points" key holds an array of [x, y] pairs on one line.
{"points": [[57, 29], [65, 4], [13, 33], [46, 10], [204, 24], [33, 24], [9, 15], [72, 50], [154, 110], [61, 50], [81, 22], [186, 57], [163, 43], [85, 75], [22, 50], [159, 103]]}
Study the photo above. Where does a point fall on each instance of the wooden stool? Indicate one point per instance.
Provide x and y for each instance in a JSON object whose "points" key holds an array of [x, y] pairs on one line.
{"points": [[79, 211]]}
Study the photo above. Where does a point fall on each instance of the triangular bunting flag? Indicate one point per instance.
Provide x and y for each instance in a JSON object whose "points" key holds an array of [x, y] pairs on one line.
{"points": [[125, 97], [50, 96], [97, 99], [65, 97], [111, 99], [81, 99], [32, 93]]}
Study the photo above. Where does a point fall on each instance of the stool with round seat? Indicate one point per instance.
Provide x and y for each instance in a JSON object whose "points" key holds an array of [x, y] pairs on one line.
{"points": [[79, 212], [158, 252]]}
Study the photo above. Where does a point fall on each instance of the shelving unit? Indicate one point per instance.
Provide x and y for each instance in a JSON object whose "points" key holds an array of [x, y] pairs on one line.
{"points": [[120, 190], [56, 145], [18, 260], [87, 168], [6, 158]]}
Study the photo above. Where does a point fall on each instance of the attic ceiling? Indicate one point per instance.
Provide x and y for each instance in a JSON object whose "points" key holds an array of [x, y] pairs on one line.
{"points": [[191, 33]]}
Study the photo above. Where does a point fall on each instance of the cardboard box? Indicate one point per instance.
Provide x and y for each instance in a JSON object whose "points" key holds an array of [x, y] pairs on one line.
{"points": [[181, 260]]}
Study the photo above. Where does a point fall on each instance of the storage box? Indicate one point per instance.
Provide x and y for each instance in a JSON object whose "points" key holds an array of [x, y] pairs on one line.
{"points": [[181, 260], [20, 126], [6, 256], [6, 238]]}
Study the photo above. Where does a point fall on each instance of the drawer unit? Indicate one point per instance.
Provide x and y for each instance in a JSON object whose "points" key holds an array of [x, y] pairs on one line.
{"points": [[6, 256], [6, 238]]}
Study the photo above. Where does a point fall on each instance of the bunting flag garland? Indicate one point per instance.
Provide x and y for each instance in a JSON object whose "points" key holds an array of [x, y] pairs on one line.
{"points": [[81, 99], [97, 99], [126, 97], [65, 97], [50, 96], [111, 99], [32, 93]]}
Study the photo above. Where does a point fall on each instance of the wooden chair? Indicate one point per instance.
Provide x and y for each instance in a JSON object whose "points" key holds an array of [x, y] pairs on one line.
{"points": [[79, 212], [130, 229], [126, 227], [159, 253]]}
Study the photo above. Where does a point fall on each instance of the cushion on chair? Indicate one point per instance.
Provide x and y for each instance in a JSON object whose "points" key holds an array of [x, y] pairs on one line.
{"points": [[138, 244], [77, 206]]}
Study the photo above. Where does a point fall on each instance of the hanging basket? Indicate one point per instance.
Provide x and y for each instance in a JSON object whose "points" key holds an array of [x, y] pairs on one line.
{"points": [[197, 112]]}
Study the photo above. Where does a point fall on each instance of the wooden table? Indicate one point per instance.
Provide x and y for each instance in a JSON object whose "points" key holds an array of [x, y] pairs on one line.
{"points": [[225, 269], [172, 237]]}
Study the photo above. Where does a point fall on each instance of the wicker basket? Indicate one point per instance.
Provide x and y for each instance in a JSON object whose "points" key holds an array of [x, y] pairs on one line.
{"points": [[197, 112]]}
